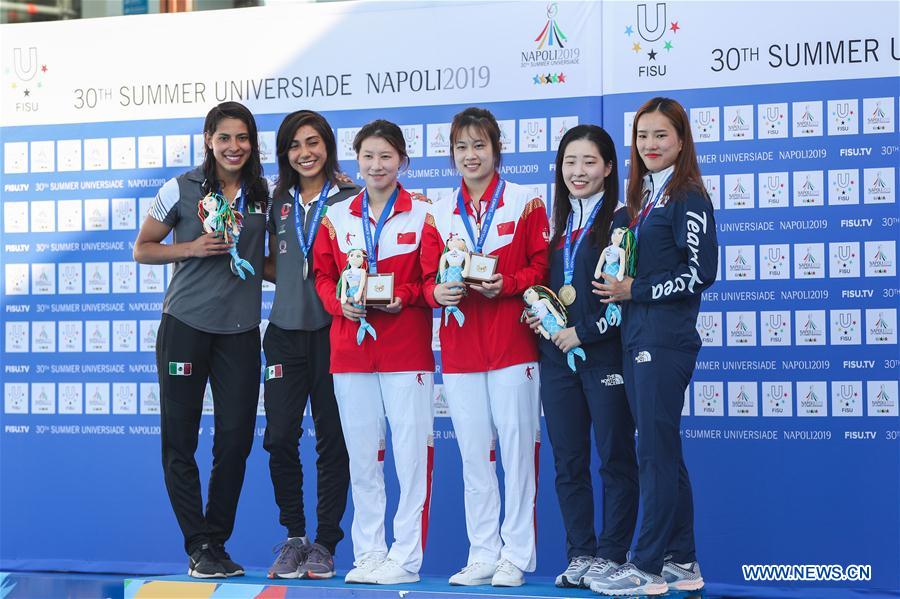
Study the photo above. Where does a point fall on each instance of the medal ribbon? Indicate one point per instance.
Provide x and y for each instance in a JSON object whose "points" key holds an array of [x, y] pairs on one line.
{"points": [[241, 202], [638, 221], [372, 244], [488, 217], [306, 241], [569, 253]]}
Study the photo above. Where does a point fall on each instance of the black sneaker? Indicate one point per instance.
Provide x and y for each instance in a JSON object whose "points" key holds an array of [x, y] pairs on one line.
{"points": [[231, 567], [203, 564]]}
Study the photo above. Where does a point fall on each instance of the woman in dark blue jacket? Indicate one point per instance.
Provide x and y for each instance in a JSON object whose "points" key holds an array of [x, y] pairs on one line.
{"points": [[677, 257], [593, 395]]}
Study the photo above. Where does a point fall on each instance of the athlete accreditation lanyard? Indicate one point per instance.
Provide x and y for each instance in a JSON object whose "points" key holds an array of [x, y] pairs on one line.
{"points": [[567, 293], [485, 226], [306, 241], [638, 221], [372, 242]]}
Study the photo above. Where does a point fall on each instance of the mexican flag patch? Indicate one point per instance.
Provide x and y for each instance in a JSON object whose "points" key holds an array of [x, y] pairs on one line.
{"points": [[273, 371], [255, 208], [179, 368]]}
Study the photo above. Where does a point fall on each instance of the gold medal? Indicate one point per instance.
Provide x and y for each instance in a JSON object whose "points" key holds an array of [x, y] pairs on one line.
{"points": [[567, 295]]}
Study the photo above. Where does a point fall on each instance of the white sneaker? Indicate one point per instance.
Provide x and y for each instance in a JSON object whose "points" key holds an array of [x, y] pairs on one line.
{"points": [[474, 574], [578, 566], [362, 573], [507, 575], [390, 572]]}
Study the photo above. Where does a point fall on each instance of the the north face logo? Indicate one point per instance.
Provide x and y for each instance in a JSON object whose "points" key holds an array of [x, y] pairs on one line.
{"points": [[612, 380], [642, 357]]}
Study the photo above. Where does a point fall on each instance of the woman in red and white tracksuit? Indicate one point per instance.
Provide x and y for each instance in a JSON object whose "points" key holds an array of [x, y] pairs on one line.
{"points": [[388, 371], [490, 368]]}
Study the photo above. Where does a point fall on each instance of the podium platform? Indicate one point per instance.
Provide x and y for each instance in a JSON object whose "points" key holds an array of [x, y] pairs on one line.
{"points": [[256, 586]]}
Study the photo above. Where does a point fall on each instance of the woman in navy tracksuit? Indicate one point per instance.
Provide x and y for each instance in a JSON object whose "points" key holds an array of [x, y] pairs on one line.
{"points": [[677, 258], [592, 397]]}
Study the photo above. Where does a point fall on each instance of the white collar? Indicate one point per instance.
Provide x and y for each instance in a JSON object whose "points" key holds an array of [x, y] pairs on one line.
{"points": [[581, 207], [331, 191], [652, 181]]}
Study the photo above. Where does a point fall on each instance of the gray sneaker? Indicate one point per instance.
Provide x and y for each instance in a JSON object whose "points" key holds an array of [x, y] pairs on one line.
{"points": [[578, 565], [600, 569], [291, 556], [683, 578], [319, 563], [627, 579]]}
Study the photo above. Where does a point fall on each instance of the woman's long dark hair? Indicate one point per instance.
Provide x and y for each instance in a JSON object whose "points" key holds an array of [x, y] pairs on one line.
{"points": [[288, 178], [686, 177], [252, 171], [561, 206]]}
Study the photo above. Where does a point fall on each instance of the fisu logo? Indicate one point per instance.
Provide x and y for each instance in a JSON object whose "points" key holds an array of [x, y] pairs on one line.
{"points": [[843, 180], [845, 321], [25, 70], [843, 110], [846, 392], [775, 322], [708, 399], [643, 22], [844, 252], [707, 322]]}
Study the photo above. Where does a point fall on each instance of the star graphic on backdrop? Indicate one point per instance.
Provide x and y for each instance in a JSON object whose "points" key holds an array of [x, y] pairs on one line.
{"points": [[555, 78], [629, 30], [652, 54], [537, 80], [668, 46], [543, 79], [636, 47], [27, 93], [562, 77], [43, 68], [675, 27]]}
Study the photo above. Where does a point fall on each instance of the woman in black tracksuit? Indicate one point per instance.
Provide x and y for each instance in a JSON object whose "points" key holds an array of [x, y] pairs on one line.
{"points": [[593, 396], [297, 347], [210, 326], [677, 258]]}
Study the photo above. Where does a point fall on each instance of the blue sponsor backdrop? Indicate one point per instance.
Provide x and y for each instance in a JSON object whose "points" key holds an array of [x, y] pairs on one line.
{"points": [[793, 452]]}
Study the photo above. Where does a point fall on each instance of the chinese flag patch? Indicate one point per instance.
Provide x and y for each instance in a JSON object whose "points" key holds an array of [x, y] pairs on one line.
{"points": [[507, 228], [406, 238]]}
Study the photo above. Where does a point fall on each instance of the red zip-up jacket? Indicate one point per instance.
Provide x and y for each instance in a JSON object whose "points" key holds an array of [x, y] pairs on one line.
{"points": [[492, 336], [404, 339]]}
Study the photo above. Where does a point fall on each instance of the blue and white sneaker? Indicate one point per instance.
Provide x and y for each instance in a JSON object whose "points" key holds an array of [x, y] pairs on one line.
{"points": [[628, 579], [600, 569], [683, 577], [578, 566]]}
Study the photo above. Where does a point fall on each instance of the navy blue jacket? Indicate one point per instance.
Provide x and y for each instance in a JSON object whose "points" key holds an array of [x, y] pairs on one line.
{"points": [[677, 259], [599, 340]]}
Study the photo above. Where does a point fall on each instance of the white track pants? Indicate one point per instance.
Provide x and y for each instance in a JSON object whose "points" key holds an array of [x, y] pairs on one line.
{"points": [[484, 406], [406, 398]]}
